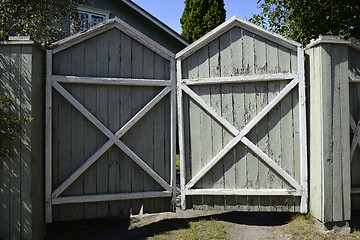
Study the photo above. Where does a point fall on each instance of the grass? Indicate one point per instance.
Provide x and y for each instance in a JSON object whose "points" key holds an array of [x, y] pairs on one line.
{"points": [[197, 230], [303, 227], [177, 162]]}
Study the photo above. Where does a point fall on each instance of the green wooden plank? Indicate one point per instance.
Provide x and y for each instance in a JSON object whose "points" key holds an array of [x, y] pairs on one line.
{"points": [[216, 130], [78, 129], [260, 61], [90, 132], [293, 62], [248, 52], [272, 58], [15, 161], [5, 66], [102, 70], [148, 130], [296, 135], [336, 138], [327, 132], [345, 136], [137, 104], [125, 115], [114, 119], [205, 126], [236, 50]]}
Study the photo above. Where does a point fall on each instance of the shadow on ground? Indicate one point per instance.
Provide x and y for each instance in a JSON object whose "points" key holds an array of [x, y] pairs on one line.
{"points": [[121, 229]]}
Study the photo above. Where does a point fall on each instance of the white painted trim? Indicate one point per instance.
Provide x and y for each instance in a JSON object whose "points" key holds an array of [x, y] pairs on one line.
{"points": [[352, 42], [269, 162], [107, 25], [242, 133], [355, 128], [173, 131], [156, 21], [354, 79], [94, 10], [181, 134], [209, 110], [240, 79], [355, 191], [243, 192], [110, 197], [111, 81], [48, 138], [226, 26], [302, 131], [111, 137]]}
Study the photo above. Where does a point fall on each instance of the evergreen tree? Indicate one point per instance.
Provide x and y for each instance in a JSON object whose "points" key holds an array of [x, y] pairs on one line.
{"points": [[200, 17]]}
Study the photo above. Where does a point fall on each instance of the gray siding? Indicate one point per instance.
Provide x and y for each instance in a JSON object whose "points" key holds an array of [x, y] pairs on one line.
{"points": [[235, 53], [22, 177], [110, 54], [121, 10]]}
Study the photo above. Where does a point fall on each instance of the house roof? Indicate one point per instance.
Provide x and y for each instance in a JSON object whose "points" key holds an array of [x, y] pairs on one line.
{"points": [[155, 21], [229, 24], [105, 26]]}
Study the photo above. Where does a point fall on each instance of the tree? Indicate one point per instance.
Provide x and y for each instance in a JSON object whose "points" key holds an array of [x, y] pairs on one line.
{"points": [[200, 17], [303, 20], [42, 20], [10, 126]]}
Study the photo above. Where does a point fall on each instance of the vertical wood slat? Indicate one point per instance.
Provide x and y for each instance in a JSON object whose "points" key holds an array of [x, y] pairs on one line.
{"points": [[48, 138]]}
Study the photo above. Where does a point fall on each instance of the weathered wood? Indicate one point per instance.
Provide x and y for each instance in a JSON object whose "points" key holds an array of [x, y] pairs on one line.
{"points": [[48, 137], [110, 81], [111, 197], [246, 192]]}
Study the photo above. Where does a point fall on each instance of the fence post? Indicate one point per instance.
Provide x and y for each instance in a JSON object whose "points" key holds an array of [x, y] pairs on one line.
{"points": [[22, 177], [327, 76]]}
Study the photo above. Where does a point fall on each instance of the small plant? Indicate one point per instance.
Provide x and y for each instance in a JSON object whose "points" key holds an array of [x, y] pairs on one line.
{"points": [[10, 125]]}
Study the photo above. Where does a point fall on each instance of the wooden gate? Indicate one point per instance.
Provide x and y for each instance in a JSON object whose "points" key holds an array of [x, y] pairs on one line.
{"points": [[242, 125], [110, 125]]}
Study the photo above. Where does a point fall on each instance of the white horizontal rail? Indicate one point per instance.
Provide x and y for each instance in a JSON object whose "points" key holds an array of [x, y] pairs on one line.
{"points": [[110, 197], [240, 79], [355, 190], [110, 81], [244, 192], [354, 79]]}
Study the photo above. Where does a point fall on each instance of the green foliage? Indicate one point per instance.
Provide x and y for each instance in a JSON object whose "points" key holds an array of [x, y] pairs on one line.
{"points": [[10, 126], [41, 19], [200, 17], [303, 20]]}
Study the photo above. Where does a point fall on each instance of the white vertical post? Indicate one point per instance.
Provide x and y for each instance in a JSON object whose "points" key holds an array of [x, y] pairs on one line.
{"points": [[173, 130], [302, 126], [48, 137], [181, 134]]}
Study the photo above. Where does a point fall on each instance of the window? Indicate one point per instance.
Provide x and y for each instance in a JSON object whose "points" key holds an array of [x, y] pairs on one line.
{"points": [[91, 17]]}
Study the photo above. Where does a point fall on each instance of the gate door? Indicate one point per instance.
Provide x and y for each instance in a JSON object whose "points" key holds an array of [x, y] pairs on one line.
{"points": [[110, 125], [241, 104]]}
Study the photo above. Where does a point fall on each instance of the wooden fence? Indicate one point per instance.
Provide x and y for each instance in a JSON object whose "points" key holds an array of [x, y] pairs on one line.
{"points": [[333, 71], [241, 101], [110, 125], [22, 177]]}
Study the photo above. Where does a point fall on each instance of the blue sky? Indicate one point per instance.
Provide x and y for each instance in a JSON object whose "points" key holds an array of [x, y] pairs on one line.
{"points": [[170, 11]]}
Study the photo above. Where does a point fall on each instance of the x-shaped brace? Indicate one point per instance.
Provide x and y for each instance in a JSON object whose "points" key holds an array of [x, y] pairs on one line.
{"points": [[240, 136], [355, 129], [113, 139]]}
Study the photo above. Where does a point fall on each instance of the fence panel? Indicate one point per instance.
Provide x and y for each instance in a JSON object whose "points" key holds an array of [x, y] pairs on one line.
{"points": [[112, 145], [242, 121]]}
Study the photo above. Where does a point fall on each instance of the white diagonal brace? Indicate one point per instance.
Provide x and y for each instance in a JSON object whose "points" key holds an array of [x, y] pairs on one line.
{"points": [[113, 139], [355, 128], [242, 133], [273, 165], [209, 109]]}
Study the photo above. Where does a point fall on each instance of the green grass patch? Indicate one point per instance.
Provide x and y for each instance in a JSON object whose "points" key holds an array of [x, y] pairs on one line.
{"points": [[177, 162], [197, 230]]}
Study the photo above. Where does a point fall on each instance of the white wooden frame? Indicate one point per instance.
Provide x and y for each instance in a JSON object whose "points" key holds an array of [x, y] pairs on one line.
{"points": [[53, 82], [298, 79]]}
